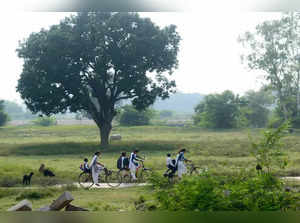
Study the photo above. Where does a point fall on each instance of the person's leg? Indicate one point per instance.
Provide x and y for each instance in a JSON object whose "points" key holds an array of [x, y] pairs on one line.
{"points": [[133, 172], [180, 170], [95, 175]]}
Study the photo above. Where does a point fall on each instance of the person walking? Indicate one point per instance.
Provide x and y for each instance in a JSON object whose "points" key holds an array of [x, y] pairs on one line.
{"points": [[133, 163], [180, 159], [96, 168]]}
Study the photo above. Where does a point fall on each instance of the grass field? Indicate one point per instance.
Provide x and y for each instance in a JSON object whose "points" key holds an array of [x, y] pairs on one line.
{"points": [[62, 149]]}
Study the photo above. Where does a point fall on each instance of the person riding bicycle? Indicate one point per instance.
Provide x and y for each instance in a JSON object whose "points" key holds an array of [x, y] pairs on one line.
{"points": [[171, 166], [96, 168], [133, 163], [123, 162], [180, 159], [85, 166]]}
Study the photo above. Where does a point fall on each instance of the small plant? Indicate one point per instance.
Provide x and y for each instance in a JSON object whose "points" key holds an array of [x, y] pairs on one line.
{"points": [[45, 121], [268, 151]]}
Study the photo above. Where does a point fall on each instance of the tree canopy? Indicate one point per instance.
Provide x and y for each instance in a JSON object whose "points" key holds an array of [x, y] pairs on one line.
{"points": [[94, 60], [274, 49], [218, 110]]}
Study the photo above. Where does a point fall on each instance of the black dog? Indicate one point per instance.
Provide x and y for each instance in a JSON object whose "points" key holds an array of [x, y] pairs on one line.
{"points": [[258, 168], [27, 179], [48, 173]]}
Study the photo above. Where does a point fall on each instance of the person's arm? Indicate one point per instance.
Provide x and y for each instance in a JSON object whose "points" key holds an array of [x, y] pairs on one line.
{"points": [[138, 158], [100, 164]]}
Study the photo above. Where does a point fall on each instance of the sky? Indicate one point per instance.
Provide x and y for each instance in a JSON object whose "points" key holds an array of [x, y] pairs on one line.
{"points": [[209, 57]]}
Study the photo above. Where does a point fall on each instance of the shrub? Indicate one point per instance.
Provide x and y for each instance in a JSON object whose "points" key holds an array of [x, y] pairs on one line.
{"points": [[207, 193], [129, 116], [274, 122], [45, 121], [268, 151]]}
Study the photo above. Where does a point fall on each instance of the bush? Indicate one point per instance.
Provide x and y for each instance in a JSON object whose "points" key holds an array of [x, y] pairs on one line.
{"points": [[207, 193], [274, 122], [45, 121], [129, 116]]}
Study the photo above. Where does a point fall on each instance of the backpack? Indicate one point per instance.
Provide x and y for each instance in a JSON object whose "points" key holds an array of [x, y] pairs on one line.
{"points": [[119, 163], [173, 162], [125, 163]]}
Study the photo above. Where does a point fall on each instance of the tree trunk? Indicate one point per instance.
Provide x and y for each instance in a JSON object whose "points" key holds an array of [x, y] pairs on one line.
{"points": [[105, 129]]}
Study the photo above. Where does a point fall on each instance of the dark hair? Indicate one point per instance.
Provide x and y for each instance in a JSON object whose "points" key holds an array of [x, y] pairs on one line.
{"points": [[97, 153], [136, 151], [168, 154], [123, 154], [182, 150], [85, 160]]}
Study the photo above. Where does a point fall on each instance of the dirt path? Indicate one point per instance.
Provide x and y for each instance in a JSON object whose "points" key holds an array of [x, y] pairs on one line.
{"points": [[102, 186]]}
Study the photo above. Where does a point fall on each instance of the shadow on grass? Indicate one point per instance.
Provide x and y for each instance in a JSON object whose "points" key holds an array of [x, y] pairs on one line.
{"points": [[72, 148]]}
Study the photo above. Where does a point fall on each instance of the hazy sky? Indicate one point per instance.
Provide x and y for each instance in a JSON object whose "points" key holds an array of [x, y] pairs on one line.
{"points": [[209, 59]]}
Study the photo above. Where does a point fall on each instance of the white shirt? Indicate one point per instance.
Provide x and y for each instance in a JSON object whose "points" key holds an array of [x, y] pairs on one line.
{"points": [[169, 161], [122, 165], [94, 161]]}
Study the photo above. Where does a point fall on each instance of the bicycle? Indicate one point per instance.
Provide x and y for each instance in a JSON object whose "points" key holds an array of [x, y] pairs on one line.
{"points": [[194, 170], [143, 174], [110, 177]]}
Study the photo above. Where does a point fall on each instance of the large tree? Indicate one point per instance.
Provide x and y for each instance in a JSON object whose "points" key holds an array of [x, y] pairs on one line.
{"points": [[257, 110], [94, 60], [274, 48]]}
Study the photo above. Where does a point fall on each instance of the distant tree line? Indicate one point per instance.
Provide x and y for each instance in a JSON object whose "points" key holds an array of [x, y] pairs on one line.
{"points": [[227, 110], [3, 115]]}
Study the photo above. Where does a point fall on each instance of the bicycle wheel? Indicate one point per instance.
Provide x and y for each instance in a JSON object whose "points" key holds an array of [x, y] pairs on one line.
{"points": [[124, 176], [145, 175], [195, 171], [112, 178], [85, 180]]}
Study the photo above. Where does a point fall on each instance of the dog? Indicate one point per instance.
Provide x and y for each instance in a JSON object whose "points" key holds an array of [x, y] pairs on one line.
{"points": [[46, 172], [258, 168], [27, 179]]}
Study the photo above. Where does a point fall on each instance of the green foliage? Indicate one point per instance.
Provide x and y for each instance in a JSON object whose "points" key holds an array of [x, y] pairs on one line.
{"points": [[256, 111], [275, 121], [131, 117], [45, 121], [34, 195], [218, 111], [3, 115], [93, 60], [268, 151], [273, 48], [207, 193]]}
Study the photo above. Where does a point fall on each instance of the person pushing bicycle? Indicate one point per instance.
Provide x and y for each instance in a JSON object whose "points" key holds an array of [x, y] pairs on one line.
{"points": [[133, 164]]}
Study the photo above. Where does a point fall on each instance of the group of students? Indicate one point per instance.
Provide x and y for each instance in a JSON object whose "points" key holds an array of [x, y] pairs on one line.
{"points": [[95, 167], [177, 164], [132, 164]]}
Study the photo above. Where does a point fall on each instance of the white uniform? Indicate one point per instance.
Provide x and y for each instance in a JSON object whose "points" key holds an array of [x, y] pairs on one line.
{"points": [[169, 162], [95, 169], [180, 164], [133, 165]]}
